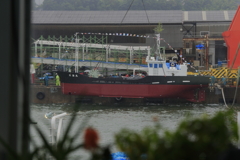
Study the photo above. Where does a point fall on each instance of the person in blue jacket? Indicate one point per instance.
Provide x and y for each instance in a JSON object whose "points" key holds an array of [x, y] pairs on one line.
{"points": [[213, 79], [224, 81], [46, 79]]}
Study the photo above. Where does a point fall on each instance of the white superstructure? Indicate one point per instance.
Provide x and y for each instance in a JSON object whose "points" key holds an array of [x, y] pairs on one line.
{"points": [[161, 68]]}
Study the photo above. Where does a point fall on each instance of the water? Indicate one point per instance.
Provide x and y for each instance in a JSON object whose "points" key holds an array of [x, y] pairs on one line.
{"points": [[109, 120]]}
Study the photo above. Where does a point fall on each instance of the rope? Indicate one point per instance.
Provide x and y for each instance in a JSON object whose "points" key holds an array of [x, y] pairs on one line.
{"points": [[235, 56], [235, 95], [167, 44]]}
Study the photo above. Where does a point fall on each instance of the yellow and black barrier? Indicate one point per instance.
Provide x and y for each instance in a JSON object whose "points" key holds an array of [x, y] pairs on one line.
{"points": [[218, 72]]}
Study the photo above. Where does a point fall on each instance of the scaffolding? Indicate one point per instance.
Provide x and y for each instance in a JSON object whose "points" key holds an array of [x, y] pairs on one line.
{"points": [[91, 51]]}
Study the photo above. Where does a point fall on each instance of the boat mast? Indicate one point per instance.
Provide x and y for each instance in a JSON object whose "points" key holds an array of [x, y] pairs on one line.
{"points": [[158, 53]]}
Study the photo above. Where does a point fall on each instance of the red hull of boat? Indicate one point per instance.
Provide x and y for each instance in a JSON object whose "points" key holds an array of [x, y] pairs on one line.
{"points": [[188, 92]]}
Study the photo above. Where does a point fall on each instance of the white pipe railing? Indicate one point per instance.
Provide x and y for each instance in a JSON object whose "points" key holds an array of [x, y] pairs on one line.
{"points": [[56, 131]]}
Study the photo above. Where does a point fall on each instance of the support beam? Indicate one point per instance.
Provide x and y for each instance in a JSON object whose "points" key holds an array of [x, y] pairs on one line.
{"points": [[59, 51], [206, 39]]}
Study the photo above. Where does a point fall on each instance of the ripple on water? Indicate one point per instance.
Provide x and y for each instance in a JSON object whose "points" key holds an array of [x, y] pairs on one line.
{"points": [[109, 120]]}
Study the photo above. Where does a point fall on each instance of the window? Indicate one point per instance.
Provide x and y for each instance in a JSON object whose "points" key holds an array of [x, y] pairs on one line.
{"points": [[203, 33]]}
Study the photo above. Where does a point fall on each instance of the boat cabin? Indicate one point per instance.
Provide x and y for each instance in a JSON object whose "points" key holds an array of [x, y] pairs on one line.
{"points": [[162, 68]]}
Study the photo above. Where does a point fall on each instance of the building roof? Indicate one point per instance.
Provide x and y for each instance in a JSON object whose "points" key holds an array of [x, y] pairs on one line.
{"points": [[132, 17], [208, 16]]}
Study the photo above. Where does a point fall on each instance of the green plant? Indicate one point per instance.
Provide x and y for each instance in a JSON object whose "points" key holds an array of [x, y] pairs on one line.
{"points": [[63, 149], [159, 28], [201, 138]]}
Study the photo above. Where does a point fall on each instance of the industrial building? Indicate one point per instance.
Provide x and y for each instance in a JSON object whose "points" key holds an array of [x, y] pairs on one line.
{"points": [[183, 30]]}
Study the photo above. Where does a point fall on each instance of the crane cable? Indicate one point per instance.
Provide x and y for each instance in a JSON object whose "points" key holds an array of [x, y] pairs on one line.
{"points": [[236, 86], [145, 11], [126, 15], [236, 54], [97, 65], [126, 12]]}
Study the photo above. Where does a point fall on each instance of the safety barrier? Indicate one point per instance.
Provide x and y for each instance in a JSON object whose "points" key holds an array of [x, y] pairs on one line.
{"points": [[221, 72]]}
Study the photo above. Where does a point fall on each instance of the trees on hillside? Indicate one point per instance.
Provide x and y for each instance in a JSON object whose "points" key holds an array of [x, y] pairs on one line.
{"points": [[191, 5], [187, 5]]}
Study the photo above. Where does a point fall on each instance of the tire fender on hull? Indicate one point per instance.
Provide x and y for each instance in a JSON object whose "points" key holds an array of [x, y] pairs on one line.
{"points": [[40, 95], [118, 99]]}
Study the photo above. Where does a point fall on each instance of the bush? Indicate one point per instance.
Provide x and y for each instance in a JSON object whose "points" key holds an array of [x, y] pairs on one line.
{"points": [[205, 138]]}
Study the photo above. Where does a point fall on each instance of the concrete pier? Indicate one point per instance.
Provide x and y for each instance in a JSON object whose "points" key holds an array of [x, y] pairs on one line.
{"points": [[229, 92], [41, 94]]}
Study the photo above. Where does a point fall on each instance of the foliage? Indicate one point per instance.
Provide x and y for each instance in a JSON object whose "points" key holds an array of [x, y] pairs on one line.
{"points": [[93, 73], [202, 138], [66, 146], [159, 28], [187, 5], [191, 5]]}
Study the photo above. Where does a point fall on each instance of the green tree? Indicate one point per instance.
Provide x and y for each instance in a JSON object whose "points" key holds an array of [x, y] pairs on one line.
{"points": [[50, 5], [175, 4], [159, 5], [109, 4], [90, 4], [190, 5], [159, 28], [223, 4]]}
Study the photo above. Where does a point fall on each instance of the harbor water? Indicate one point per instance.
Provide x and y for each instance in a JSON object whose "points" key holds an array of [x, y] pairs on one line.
{"points": [[109, 120]]}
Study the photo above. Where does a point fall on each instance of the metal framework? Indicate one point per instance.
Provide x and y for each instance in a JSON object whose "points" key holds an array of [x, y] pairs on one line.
{"points": [[76, 51], [205, 39]]}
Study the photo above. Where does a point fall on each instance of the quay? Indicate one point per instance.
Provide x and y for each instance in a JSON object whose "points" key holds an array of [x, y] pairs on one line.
{"points": [[41, 94]]}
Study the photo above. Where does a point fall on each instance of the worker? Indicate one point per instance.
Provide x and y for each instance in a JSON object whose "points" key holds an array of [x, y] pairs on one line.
{"points": [[224, 81], [212, 80], [212, 83], [57, 80], [46, 79]]}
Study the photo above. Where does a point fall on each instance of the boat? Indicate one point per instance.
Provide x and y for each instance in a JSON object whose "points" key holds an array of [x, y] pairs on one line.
{"points": [[163, 80]]}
